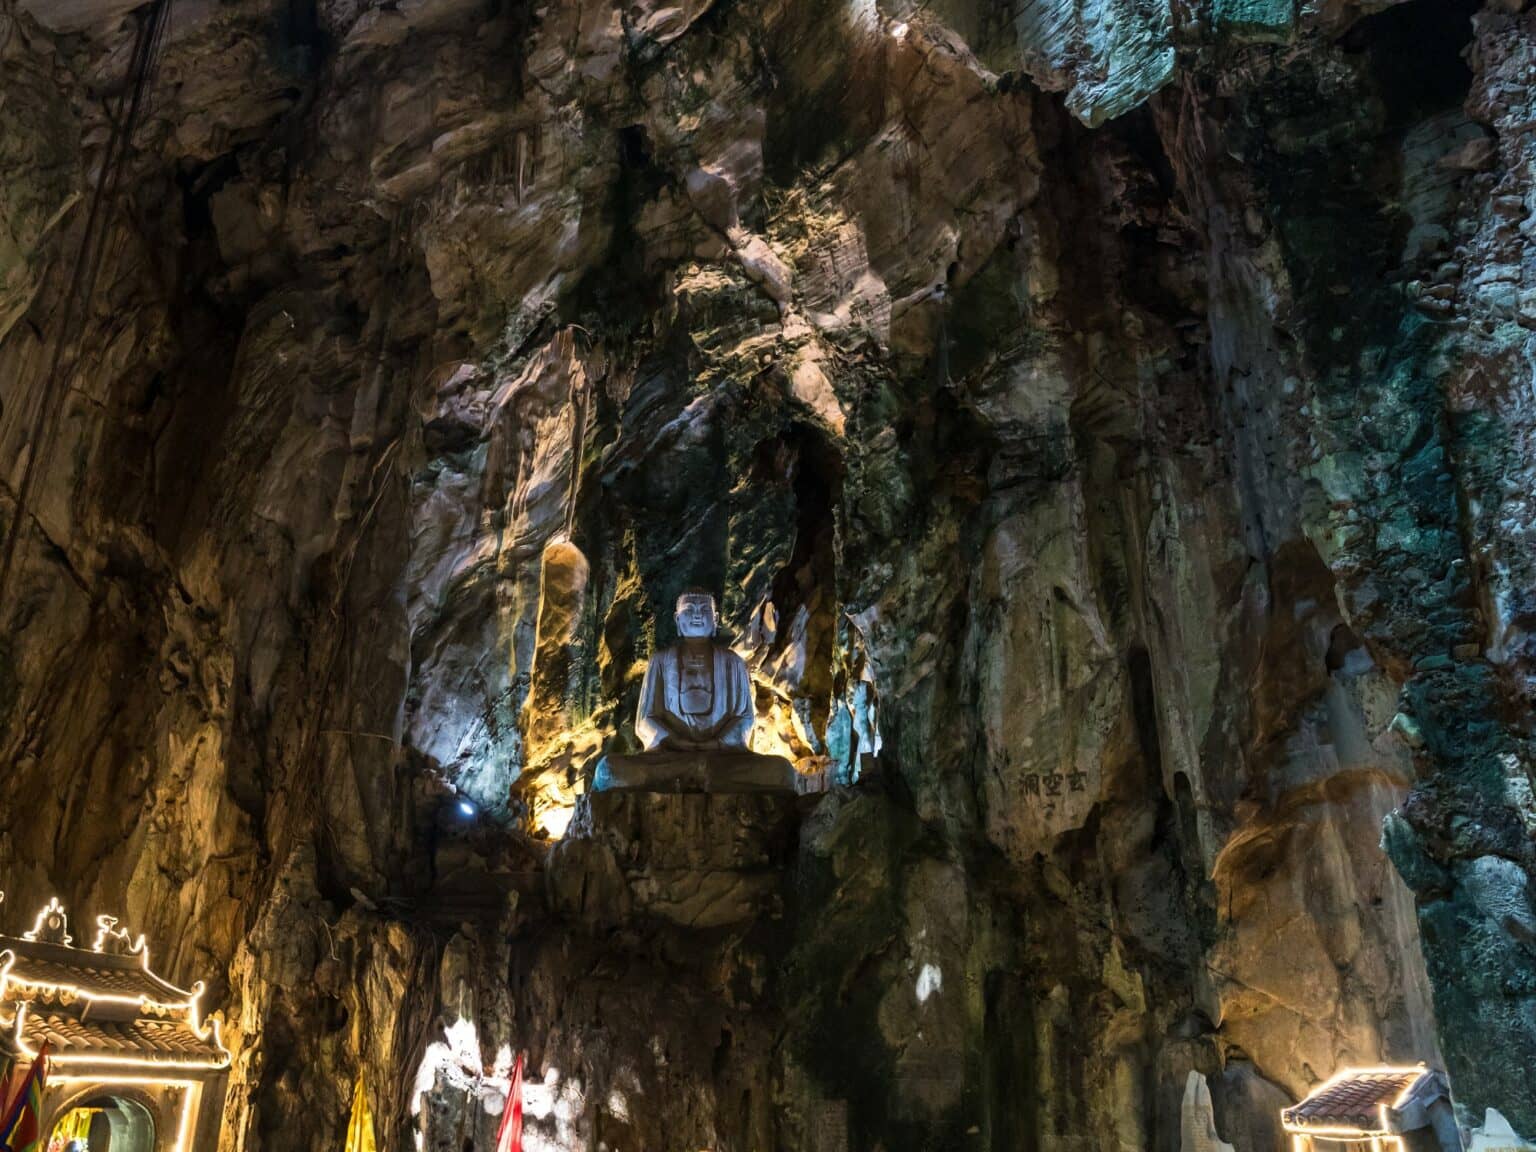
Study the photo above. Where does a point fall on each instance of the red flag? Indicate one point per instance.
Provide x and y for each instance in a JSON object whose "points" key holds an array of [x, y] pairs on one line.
{"points": [[22, 1128], [7, 1077], [510, 1138]]}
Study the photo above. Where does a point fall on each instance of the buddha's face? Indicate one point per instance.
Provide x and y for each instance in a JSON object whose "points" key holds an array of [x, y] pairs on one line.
{"points": [[695, 616]]}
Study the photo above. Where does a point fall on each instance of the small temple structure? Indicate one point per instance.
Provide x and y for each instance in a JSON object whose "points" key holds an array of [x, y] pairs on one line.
{"points": [[1375, 1110], [132, 1065]]}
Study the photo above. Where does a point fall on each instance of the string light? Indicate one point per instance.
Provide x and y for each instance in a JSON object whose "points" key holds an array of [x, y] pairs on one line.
{"points": [[1345, 1132], [105, 930], [67, 1057], [100, 1071], [140, 948], [69, 993], [53, 909]]}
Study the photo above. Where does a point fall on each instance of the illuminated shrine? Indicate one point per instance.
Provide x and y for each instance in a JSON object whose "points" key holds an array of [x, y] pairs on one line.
{"points": [[1375, 1110], [132, 1065]]}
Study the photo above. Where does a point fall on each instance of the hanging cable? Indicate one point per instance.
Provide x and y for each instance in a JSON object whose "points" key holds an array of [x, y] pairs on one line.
{"points": [[148, 41]]}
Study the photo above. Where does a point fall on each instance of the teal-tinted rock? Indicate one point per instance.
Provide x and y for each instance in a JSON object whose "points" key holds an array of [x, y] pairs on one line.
{"points": [[1263, 20], [1341, 475], [1136, 66]]}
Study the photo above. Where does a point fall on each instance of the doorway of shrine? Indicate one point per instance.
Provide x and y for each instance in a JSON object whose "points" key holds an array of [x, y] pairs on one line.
{"points": [[104, 1123]]}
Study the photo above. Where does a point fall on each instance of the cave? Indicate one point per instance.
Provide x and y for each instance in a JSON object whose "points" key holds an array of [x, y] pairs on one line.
{"points": [[808, 575]]}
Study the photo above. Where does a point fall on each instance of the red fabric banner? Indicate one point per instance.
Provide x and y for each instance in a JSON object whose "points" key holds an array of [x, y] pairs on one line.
{"points": [[22, 1128], [510, 1138]]}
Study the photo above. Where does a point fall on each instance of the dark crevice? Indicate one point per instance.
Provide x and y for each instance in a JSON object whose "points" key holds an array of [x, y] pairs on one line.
{"points": [[1416, 52], [620, 290], [809, 580], [1144, 709]]}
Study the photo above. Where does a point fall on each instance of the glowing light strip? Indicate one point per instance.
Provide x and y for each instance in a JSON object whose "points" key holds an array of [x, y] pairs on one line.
{"points": [[191, 993], [135, 1062], [1402, 1097], [1339, 1132], [1303, 1129], [76, 992], [110, 1079], [190, 1090], [7, 960], [37, 925], [104, 925], [188, 1094], [31, 1053], [139, 948]]}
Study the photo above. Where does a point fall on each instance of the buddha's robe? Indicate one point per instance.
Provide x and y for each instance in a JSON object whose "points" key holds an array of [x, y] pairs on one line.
{"points": [[694, 699]]}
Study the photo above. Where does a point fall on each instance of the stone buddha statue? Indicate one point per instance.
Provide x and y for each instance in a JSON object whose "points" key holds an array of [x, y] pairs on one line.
{"points": [[697, 694], [695, 718]]}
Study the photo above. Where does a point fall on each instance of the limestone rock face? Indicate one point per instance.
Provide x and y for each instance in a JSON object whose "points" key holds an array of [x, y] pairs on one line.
{"points": [[701, 861], [1107, 426]]}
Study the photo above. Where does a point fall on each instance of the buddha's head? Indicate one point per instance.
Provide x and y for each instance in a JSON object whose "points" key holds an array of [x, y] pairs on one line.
{"points": [[696, 619]]}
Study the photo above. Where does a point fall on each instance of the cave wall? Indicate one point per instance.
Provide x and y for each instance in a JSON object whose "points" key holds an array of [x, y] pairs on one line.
{"points": [[1108, 428]]}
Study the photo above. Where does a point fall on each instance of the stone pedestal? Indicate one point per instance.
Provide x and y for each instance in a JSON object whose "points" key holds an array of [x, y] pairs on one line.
{"points": [[716, 771], [698, 859]]}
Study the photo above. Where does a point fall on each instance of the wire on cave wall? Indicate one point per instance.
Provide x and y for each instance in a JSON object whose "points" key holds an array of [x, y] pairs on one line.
{"points": [[149, 40], [310, 806], [580, 394]]}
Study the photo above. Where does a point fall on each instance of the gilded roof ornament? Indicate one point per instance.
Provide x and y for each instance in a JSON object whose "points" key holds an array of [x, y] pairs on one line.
{"points": [[51, 926]]}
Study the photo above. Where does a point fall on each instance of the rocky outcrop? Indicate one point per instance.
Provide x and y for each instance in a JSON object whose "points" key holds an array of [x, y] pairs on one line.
{"points": [[1106, 427]]}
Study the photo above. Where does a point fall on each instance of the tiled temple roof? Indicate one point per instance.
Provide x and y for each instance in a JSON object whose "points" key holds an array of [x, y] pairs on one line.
{"points": [[157, 1041], [100, 1004], [1355, 1100], [94, 973]]}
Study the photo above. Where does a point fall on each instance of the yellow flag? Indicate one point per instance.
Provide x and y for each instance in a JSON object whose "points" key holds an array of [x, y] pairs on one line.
{"points": [[73, 1125], [360, 1129]]}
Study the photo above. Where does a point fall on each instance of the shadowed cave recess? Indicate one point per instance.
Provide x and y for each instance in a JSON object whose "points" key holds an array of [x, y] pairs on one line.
{"points": [[1108, 430]]}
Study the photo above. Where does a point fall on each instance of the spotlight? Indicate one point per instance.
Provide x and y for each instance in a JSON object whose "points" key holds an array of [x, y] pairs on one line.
{"points": [[466, 808]]}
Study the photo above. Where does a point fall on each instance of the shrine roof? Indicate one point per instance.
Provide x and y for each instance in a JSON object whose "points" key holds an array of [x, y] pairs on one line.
{"points": [[1358, 1101], [169, 1041], [97, 1004], [94, 974]]}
